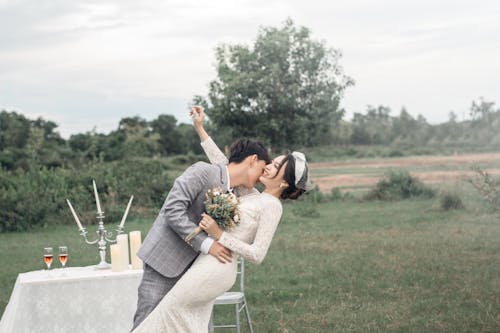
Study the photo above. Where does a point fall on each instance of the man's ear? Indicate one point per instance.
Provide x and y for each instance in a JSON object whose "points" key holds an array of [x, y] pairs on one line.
{"points": [[253, 159]]}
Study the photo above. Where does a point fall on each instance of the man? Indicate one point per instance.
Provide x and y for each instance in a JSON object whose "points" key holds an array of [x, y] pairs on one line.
{"points": [[165, 254]]}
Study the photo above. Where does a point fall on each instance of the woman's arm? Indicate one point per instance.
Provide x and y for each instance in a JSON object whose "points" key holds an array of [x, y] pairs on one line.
{"points": [[255, 252], [214, 154]]}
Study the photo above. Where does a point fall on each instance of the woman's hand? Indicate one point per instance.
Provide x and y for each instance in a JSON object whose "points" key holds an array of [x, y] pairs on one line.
{"points": [[198, 116], [208, 224]]}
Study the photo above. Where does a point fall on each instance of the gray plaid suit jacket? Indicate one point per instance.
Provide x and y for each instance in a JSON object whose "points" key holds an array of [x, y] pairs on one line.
{"points": [[164, 248]]}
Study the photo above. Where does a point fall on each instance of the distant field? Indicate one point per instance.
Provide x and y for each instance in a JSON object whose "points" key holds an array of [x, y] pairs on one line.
{"points": [[363, 173]]}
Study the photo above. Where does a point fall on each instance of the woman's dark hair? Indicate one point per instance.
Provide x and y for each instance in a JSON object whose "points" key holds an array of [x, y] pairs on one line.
{"points": [[243, 148], [292, 192]]}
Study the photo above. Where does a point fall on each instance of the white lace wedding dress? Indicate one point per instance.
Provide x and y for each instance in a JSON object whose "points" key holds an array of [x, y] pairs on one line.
{"points": [[188, 305]]}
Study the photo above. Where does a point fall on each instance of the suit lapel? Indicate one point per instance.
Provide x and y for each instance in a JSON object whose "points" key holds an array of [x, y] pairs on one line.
{"points": [[223, 177]]}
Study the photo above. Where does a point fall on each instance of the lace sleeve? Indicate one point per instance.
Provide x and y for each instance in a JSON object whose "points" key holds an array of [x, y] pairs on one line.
{"points": [[214, 154], [268, 222]]}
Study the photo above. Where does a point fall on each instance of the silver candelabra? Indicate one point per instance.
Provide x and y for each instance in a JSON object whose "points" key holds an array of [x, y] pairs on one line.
{"points": [[103, 236]]}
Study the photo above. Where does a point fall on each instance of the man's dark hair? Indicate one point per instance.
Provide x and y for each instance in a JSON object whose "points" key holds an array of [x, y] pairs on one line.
{"points": [[243, 148]]}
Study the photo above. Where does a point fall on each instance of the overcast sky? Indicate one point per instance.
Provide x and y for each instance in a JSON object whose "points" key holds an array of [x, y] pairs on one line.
{"points": [[87, 64]]}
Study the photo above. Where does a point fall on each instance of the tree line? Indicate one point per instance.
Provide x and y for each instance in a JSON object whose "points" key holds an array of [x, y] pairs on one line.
{"points": [[25, 141]]}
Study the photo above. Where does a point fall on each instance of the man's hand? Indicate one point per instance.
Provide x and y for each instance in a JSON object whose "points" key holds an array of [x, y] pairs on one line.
{"points": [[220, 252], [211, 227]]}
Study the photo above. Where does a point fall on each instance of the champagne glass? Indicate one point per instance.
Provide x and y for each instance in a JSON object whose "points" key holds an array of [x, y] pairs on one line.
{"points": [[48, 256], [63, 255]]}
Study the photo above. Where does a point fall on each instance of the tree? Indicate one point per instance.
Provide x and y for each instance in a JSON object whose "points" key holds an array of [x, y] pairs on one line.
{"points": [[140, 139], [14, 130], [373, 128], [165, 126], [404, 127], [285, 89]]}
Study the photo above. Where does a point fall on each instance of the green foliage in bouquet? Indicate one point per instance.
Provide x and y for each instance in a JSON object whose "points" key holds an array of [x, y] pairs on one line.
{"points": [[223, 208]]}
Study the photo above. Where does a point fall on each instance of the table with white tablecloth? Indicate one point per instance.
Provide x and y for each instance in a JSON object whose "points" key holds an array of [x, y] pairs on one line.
{"points": [[72, 300]]}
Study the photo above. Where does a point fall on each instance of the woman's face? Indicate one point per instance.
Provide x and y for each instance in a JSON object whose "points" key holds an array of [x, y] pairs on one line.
{"points": [[270, 175]]}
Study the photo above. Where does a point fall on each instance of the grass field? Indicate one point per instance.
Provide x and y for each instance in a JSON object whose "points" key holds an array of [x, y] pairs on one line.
{"points": [[371, 266], [359, 267]]}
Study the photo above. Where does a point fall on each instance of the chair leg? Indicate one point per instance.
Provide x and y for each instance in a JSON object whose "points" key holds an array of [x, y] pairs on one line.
{"points": [[211, 324], [238, 327], [247, 314]]}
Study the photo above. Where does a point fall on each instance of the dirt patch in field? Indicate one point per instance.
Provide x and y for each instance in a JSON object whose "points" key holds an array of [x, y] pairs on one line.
{"points": [[326, 183], [411, 161]]}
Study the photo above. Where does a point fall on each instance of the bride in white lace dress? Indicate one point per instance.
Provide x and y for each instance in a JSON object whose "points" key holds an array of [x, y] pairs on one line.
{"points": [[188, 305]]}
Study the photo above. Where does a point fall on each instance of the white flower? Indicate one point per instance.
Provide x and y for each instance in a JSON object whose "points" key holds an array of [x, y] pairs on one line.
{"points": [[232, 198], [236, 218]]}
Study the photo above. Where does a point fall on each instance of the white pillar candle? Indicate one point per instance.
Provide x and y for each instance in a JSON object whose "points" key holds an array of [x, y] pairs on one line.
{"points": [[116, 258], [122, 241], [135, 244], [97, 202], [126, 212], [74, 215]]}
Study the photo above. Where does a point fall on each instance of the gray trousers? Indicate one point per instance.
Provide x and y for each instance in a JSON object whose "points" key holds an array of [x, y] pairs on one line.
{"points": [[152, 289]]}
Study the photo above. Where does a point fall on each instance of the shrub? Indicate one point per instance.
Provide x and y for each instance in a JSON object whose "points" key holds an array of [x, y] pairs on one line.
{"points": [[398, 185], [188, 159], [396, 153], [307, 204], [335, 194], [305, 209], [450, 201], [314, 196], [35, 197], [27, 197]]}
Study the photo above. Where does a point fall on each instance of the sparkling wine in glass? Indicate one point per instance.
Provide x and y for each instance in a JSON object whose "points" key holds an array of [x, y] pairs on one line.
{"points": [[48, 256], [63, 255]]}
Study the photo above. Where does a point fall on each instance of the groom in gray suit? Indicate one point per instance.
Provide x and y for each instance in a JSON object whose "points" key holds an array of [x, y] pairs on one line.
{"points": [[165, 254]]}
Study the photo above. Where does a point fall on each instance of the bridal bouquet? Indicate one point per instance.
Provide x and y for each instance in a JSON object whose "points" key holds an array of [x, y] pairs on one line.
{"points": [[222, 207]]}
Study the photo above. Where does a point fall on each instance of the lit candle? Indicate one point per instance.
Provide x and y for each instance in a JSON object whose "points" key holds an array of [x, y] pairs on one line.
{"points": [[135, 244], [98, 203], [122, 241], [74, 215], [116, 258], [126, 212]]}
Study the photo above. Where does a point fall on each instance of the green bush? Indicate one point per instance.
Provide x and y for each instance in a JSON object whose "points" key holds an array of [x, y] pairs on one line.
{"points": [[307, 204], [398, 185], [395, 153], [37, 197], [314, 196], [336, 194], [305, 209], [27, 197], [188, 159], [450, 201]]}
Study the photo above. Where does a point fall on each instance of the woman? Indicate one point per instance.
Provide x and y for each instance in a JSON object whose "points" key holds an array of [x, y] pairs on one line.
{"points": [[188, 305]]}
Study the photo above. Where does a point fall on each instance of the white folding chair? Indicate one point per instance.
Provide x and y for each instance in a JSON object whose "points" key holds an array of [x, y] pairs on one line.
{"points": [[236, 298]]}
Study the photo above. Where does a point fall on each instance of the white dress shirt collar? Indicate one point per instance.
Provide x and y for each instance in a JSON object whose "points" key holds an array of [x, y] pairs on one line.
{"points": [[229, 188]]}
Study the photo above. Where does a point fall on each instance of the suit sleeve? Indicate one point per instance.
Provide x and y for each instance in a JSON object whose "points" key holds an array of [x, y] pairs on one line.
{"points": [[185, 190], [214, 154], [256, 252]]}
